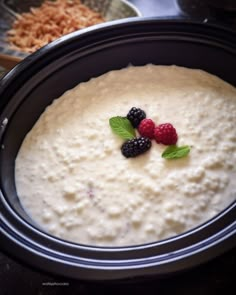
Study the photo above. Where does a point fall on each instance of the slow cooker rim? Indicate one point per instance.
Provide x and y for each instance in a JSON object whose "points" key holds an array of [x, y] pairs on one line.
{"points": [[216, 29], [166, 264], [11, 216], [96, 269]]}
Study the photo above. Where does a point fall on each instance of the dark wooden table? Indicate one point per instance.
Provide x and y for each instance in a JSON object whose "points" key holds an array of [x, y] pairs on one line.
{"points": [[214, 277]]}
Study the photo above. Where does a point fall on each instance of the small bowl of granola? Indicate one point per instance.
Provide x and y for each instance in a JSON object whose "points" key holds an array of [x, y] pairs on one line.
{"points": [[26, 26]]}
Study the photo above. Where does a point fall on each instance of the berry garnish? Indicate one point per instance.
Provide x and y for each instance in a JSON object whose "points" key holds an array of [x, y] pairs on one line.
{"points": [[146, 128], [165, 134], [135, 147], [136, 115]]}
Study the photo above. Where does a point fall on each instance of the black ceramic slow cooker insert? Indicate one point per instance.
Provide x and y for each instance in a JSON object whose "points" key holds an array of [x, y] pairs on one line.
{"points": [[45, 75]]}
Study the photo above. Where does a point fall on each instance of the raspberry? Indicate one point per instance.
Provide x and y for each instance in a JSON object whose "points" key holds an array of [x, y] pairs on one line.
{"points": [[135, 147], [136, 115], [165, 134], [146, 128]]}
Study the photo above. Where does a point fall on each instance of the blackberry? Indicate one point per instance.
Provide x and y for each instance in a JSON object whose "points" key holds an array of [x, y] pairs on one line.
{"points": [[136, 115], [135, 147]]}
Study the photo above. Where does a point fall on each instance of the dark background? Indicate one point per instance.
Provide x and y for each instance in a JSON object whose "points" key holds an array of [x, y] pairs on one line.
{"points": [[215, 277]]}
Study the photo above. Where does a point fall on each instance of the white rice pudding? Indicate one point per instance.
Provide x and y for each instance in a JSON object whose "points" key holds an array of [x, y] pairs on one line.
{"points": [[74, 182]]}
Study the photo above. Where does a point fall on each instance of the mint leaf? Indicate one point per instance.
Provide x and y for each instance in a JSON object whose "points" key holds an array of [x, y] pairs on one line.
{"points": [[176, 152], [122, 127]]}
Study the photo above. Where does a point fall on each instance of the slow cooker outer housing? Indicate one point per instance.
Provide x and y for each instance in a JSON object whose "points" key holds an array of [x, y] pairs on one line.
{"points": [[45, 75]]}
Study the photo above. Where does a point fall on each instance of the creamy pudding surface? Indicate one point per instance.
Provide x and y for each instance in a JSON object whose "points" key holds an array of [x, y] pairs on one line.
{"points": [[74, 182]]}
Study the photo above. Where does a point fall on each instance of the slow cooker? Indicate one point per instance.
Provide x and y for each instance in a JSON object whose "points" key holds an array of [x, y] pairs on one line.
{"points": [[45, 75]]}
